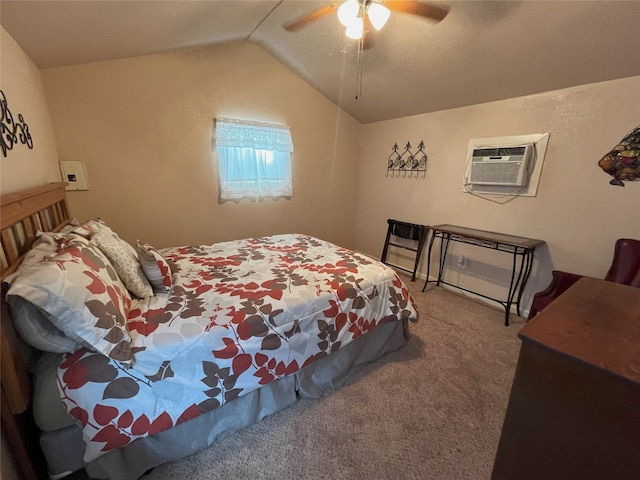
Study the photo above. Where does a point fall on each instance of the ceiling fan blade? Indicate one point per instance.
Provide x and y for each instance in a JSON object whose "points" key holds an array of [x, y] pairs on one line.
{"points": [[304, 20], [422, 9]]}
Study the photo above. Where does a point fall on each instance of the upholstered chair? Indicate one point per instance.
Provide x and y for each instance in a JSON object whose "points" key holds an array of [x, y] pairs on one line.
{"points": [[625, 269]]}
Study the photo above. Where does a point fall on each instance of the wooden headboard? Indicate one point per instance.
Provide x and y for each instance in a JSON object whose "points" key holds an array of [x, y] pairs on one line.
{"points": [[22, 215]]}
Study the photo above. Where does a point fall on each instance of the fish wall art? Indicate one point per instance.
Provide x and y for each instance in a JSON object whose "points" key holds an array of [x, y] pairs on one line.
{"points": [[623, 162]]}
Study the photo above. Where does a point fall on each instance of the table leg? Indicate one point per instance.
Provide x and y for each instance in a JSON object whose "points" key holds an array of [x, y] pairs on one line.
{"points": [[422, 238], [433, 237], [512, 287], [521, 282], [523, 274], [527, 272], [444, 247]]}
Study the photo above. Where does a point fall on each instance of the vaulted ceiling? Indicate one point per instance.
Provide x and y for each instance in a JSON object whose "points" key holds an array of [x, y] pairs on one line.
{"points": [[481, 52]]}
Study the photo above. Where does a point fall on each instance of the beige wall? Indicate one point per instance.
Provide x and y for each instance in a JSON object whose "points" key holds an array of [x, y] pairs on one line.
{"points": [[22, 85], [143, 127], [576, 212]]}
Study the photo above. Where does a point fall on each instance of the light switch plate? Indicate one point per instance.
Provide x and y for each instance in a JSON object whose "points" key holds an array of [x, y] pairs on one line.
{"points": [[75, 174]]}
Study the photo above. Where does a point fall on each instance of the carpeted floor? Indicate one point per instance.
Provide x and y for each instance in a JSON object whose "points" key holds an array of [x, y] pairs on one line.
{"points": [[432, 410]]}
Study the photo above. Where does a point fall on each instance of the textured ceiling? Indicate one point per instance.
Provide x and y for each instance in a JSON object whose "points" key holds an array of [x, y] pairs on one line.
{"points": [[482, 51]]}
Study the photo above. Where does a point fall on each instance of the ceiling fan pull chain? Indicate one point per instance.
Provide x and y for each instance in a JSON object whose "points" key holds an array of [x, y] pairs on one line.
{"points": [[359, 68]]}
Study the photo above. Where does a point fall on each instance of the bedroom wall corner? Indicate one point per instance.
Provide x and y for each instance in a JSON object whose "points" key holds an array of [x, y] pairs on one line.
{"points": [[21, 82]]}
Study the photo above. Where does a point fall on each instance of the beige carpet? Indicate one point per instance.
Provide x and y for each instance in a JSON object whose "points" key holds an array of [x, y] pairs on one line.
{"points": [[432, 410]]}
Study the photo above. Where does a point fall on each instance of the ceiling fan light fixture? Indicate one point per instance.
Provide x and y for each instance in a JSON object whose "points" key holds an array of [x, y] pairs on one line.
{"points": [[355, 29], [348, 12], [378, 15]]}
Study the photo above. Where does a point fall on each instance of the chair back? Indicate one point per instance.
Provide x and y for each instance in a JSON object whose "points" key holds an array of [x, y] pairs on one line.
{"points": [[625, 267]]}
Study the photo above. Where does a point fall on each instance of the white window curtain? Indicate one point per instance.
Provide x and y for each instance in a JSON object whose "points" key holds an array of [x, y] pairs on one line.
{"points": [[254, 159]]}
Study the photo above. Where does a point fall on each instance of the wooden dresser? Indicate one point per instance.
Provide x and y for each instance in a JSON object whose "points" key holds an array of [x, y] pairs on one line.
{"points": [[574, 409]]}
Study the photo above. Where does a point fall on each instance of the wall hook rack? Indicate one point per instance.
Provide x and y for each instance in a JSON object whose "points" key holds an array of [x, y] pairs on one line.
{"points": [[407, 163]]}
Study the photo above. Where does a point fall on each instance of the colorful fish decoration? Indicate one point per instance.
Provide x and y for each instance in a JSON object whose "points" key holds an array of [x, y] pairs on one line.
{"points": [[623, 162]]}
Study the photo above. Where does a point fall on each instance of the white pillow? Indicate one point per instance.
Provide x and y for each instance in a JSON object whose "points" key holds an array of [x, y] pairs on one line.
{"points": [[126, 264], [82, 296], [44, 246], [98, 226]]}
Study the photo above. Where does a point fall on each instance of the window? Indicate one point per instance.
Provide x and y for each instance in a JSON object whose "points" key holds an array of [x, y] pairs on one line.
{"points": [[254, 159]]}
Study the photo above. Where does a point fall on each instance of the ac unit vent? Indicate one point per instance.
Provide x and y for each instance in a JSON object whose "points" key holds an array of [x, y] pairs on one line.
{"points": [[504, 166]]}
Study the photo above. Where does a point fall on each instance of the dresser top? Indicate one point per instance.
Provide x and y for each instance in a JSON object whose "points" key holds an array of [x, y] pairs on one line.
{"points": [[596, 322]]}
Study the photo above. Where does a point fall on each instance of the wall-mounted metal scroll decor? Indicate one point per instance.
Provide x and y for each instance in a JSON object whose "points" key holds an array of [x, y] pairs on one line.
{"points": [[407, 163], [12, 132]]}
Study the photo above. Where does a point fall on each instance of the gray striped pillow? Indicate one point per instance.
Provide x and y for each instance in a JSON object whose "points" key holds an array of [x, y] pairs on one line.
{"points": [[155, 267]]}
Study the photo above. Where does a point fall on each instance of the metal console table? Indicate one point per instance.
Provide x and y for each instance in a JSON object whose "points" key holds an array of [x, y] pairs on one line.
{"points": [[519, 247]]}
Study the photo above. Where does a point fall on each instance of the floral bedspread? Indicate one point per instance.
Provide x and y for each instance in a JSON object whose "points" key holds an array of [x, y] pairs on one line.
{"points": [[240, 315]]}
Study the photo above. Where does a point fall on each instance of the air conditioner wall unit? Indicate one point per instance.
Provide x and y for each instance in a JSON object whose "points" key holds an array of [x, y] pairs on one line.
{"points": [[502, 166]]}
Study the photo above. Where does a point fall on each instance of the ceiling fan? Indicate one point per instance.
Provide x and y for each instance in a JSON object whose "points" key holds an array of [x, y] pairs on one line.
{"points": [[361, 17]]}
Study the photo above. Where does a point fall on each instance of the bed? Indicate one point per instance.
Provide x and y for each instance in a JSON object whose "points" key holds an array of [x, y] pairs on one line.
{"points": [[131, 364]]}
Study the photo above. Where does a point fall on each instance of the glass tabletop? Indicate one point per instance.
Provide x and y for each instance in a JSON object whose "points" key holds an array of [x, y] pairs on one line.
{"points": [[501, 238]]}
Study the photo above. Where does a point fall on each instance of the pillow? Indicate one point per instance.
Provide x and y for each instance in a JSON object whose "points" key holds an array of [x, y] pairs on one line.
{"points": [[84, 231], [126, 264], [155, 267], [98, 226], [46, 244], [60, 239], [43, 246], [82, 296], [35, 329], [90, 228]]}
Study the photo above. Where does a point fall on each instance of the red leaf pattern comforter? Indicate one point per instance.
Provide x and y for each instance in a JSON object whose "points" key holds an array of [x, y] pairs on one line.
{"points": [[240, 315]]}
